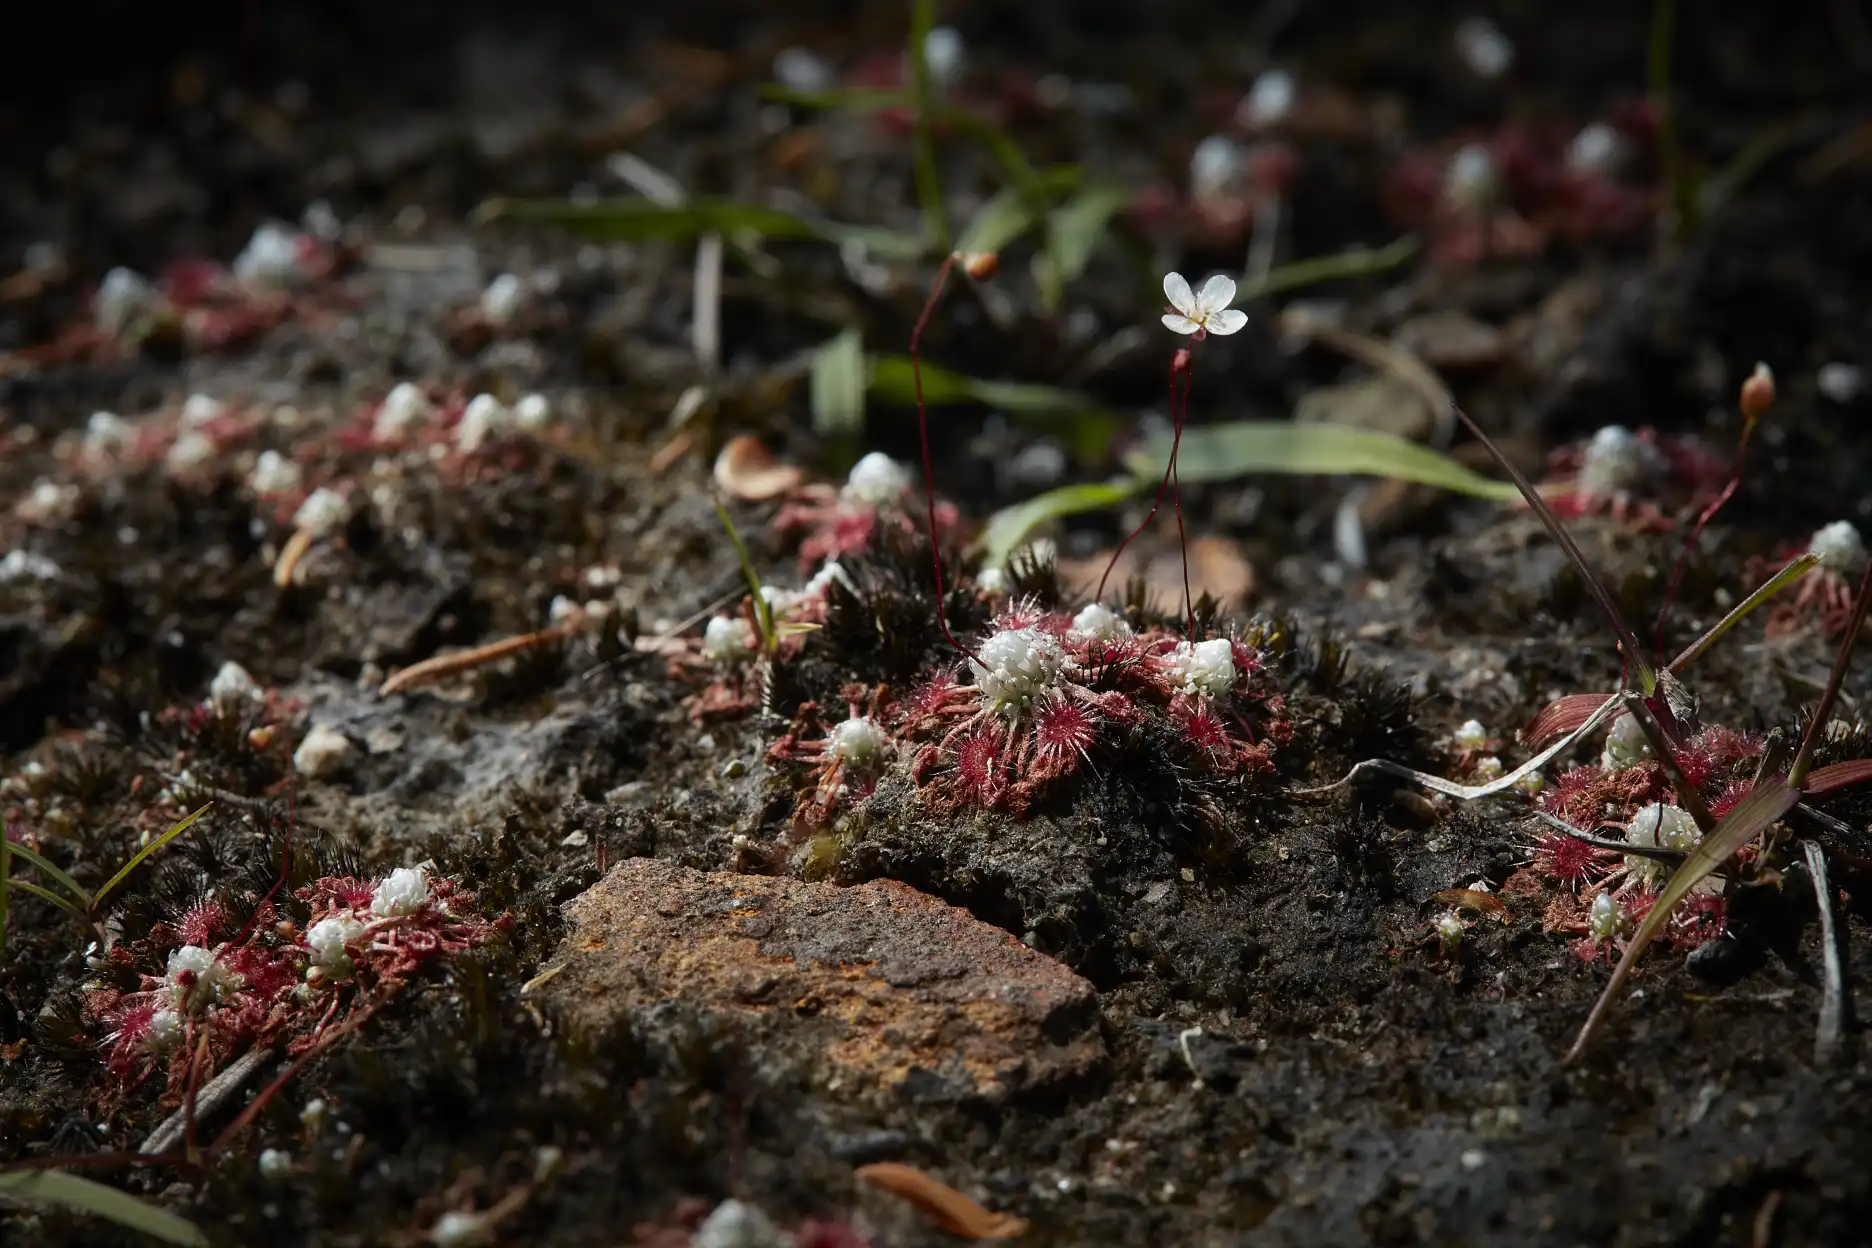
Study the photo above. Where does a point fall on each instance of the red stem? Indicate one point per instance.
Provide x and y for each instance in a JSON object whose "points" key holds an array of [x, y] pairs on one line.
{"points": [[929, 470], [1179, 363], [1696, 531]]}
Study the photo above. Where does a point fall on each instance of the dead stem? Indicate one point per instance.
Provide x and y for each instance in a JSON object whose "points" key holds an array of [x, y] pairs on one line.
{"points": [[295, 549], [448, 664], [1833, 1003], [217, 1090]]}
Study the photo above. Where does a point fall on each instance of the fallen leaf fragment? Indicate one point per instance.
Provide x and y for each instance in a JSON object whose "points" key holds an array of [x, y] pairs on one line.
{"points": [[940, 1203], [1474, 900], [748, 472]]}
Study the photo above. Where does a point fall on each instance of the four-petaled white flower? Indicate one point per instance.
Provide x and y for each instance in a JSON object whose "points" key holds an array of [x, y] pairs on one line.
{"points": [[1204, 312]]}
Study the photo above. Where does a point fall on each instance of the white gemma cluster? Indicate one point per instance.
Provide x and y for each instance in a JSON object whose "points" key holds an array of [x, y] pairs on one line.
{"points": [[1270, 101], [327, 939], [274, 474], [212, 981], [1661, 827], [484, 419], [1099, 621], [876, 481], [1472, 735], [233, 685], [727, 639], [503, 299], [1206, 668], [1015, 666], [270, 259], [1603, 920], [164, 1031], [1839, 547], [323, 512], [858, 742], [1617, 461], [1625, 745], [1449, 929], [402, 409], [124, 296], [1472, 180], [403, 892]]}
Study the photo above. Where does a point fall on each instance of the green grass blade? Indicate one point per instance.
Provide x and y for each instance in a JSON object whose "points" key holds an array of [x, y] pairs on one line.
{"points": [[1766, 590], [1073, 233], [123, 872], [763, 610], [1013, 210], [928, 183], [50, 870], [1224, 452], [1747, 819], [637, 219], [1008, 528], [998, 142], [837, 386], [1088, 427], [1351, 263], [45, 894], [86, 1196]]}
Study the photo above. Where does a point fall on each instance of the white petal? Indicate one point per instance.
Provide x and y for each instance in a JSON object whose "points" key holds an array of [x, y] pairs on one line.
{"points": [[1227, 321], [1217, 293], [1181, 324], [1177, 291]]}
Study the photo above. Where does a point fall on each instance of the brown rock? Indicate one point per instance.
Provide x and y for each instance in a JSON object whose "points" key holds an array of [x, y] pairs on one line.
{"points": [[878, 981]]}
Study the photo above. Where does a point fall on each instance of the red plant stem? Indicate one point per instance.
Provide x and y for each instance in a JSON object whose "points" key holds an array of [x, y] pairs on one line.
{"points": [[1176, 505], [929, 470], [1696, 531], [1179, 364]]}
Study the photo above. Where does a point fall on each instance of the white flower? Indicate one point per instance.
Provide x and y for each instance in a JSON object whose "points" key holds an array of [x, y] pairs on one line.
{"points": [[274, 474], [327, 939], [502, 299], [1625, 744], [1661, 827], [1603, 920], [404, 891], [1207, 312], [1617, 461], [876, 480], [164, 1031], [858, 741], [212, 980], [1100, 621], [533, 412], [1839, 547], [232, 685], [1449, 929], [485, 417], [404, 406], [322, 513], [322, 753], [1472, 735], [1208, 667], [727, 639], [1016, 665]]}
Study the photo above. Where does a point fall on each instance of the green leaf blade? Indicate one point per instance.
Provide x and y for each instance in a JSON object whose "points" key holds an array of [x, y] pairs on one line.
{"points": [[837, 386], [86, 1196], [50, 870], [123, 872], [1008, 528]]}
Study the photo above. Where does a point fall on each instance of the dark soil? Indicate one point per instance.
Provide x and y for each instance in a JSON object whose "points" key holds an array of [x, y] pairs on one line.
{"points": [[1280, 1050]]}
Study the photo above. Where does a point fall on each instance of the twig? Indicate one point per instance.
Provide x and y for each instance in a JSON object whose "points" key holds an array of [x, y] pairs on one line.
{"points": [[705, 328], [448, 664], [213, 1093], [1762, 1233], [1833, 1002]]}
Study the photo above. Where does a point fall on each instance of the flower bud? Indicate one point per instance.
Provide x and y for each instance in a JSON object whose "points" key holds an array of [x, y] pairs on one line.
{"points": [[979, 265], [1758, 394]]}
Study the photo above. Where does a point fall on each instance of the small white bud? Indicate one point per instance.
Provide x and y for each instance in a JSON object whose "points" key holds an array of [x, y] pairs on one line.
{"points": [[274, 474], [1099, 621], [533, 413], [1471, 736], [1603, 920], [275, 1164], [233, 685], [403, 408], [727, 639], [484, 418], [323, 512], [502, 300], [877, 480], [858, 741]]}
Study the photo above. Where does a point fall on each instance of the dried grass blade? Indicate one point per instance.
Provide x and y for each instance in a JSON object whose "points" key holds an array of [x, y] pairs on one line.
{"points": [[1832, 1027], [1563, 715], [940, 1203], [1747, 819], [1837, 776]]}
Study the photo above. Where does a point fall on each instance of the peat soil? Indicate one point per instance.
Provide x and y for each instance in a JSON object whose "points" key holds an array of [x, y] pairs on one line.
{"points": [[1156, 1008]]}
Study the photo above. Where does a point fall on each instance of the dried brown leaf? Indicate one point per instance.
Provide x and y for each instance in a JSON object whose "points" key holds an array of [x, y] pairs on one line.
{"points": [[748, 472]]}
